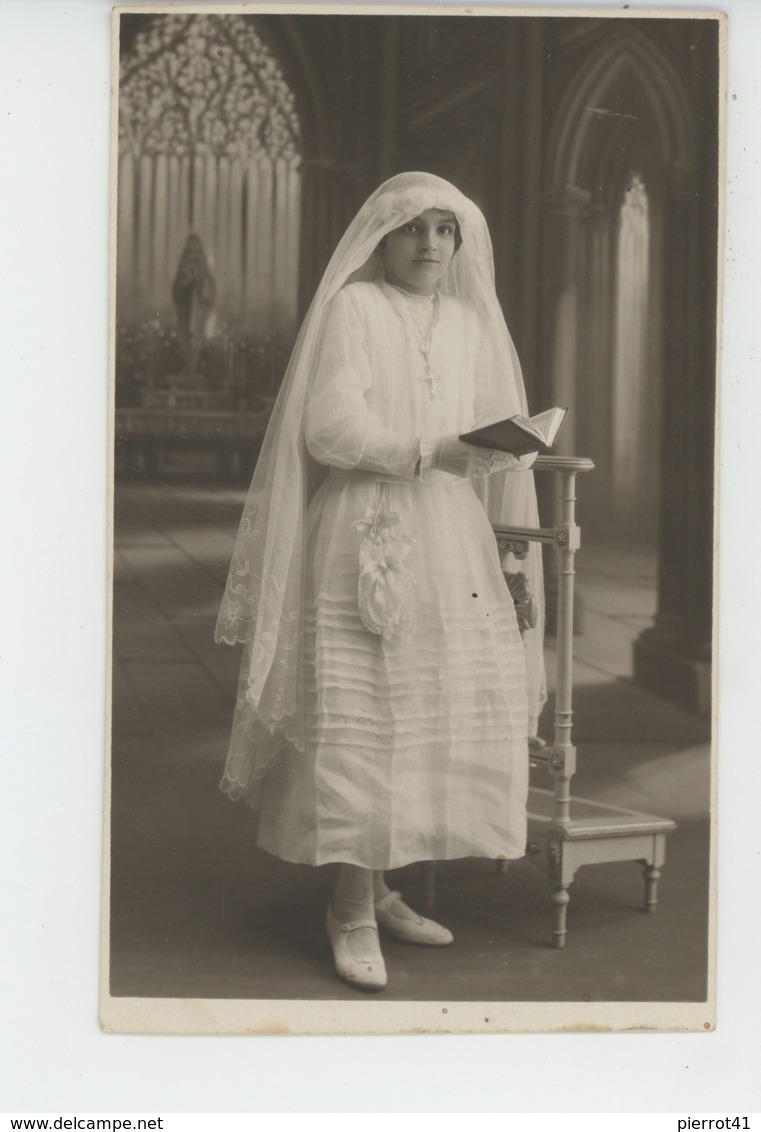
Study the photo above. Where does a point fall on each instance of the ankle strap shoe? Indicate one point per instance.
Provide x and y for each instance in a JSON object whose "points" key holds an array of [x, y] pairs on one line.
{"points": [[366, 972]]}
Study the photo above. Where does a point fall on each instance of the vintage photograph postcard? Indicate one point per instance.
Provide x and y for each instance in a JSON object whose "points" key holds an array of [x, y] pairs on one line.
{"points": [[410, 733]]}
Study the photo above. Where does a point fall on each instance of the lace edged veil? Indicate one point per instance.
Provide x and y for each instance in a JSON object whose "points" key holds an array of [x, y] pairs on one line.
{"points": [[263, 600]]}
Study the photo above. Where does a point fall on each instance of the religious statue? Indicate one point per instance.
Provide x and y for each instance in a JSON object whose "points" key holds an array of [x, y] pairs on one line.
{"points": [[194, 292]]}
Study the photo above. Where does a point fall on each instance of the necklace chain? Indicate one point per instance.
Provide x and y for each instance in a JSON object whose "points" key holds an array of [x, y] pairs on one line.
{"points": [[424, 338]]}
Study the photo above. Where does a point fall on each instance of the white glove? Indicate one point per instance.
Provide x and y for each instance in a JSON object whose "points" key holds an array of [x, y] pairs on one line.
{"points": [[450, 454]]}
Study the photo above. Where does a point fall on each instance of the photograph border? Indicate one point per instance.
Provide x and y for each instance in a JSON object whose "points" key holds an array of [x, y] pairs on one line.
{"points": [[58, 1059], [328, 1016]]}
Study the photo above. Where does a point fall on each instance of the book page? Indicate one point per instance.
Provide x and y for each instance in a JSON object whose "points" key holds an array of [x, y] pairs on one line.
{"points": [[547, 424]]}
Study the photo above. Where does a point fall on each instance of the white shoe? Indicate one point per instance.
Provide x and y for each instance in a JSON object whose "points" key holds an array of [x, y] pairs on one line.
{"points": [[367, 972], [410, 927]]}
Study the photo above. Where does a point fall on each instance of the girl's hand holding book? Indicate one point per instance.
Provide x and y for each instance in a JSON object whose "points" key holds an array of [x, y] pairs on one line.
{"points": [[450, 454]]}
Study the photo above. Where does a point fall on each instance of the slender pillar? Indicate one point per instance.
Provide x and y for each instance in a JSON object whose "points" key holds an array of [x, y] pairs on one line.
{"points": [[265, 244], [177, 221], [222, 228], [280, 249], [145, 236], [235, 240], [250, 267], [594, 404]]}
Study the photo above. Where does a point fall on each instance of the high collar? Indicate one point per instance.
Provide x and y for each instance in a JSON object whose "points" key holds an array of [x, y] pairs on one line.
{"points": [[400, 304]]}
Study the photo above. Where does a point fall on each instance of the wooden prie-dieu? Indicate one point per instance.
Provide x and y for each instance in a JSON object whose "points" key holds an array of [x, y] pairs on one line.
{"points": [[566, 832]]}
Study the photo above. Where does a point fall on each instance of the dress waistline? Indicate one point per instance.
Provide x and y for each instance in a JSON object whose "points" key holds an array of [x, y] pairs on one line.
{"points": [[358, 475]]}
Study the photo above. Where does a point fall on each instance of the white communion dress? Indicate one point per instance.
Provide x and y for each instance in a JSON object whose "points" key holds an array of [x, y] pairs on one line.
{"points": [[414, 730]]}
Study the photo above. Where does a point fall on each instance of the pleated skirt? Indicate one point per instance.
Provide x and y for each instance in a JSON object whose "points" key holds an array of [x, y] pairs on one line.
{"points": [[417, 749]]}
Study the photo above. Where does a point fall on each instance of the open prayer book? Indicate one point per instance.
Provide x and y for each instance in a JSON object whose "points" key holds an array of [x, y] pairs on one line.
{"points": [[518, 434]]}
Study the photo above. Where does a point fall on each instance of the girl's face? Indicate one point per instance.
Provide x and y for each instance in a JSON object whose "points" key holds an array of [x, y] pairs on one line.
{"points": [[416, 255]]}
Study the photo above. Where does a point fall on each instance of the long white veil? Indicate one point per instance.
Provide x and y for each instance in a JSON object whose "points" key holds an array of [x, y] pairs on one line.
{"points": [[263, 600]]}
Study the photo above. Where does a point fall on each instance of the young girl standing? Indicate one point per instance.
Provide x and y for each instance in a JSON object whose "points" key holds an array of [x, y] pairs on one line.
{"points": [[386, 696]]}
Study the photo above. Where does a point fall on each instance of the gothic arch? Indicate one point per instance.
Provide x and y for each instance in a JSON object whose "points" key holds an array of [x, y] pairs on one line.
{"points": [[624, 111], [627, 53], [633, 106], [285, 37]]}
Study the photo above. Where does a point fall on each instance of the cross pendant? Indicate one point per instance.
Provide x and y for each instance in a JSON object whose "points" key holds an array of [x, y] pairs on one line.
{"points": [[429, 379], [429, 376]]}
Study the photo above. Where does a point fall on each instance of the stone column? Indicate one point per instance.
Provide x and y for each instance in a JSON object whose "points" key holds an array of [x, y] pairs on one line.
{"points": [[672, 656], [563, 256], [564, 222], [325, 213], [386, 111]]}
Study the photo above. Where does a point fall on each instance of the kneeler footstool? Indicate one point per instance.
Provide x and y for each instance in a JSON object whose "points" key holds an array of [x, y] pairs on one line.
{"points": [[566, 832]]}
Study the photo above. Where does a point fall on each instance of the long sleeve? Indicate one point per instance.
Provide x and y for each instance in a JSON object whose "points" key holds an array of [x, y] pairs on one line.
{"points": [[340, 427]]}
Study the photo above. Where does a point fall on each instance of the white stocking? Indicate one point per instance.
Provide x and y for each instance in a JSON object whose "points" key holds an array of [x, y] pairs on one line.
{"points": [[354, 899], [380, 888]]}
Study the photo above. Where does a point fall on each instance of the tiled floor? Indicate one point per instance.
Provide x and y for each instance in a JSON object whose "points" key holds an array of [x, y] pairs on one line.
{"points": [[199, 911]]}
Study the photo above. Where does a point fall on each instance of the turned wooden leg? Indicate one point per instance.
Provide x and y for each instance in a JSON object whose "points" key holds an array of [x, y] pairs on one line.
{"points": [[501, 864], [429, 885], [560, 898], [652, 876]]}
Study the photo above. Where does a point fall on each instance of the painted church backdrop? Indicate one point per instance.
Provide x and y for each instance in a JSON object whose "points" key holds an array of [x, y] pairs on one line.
{"points": [[209, 151], [590, 144]]}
